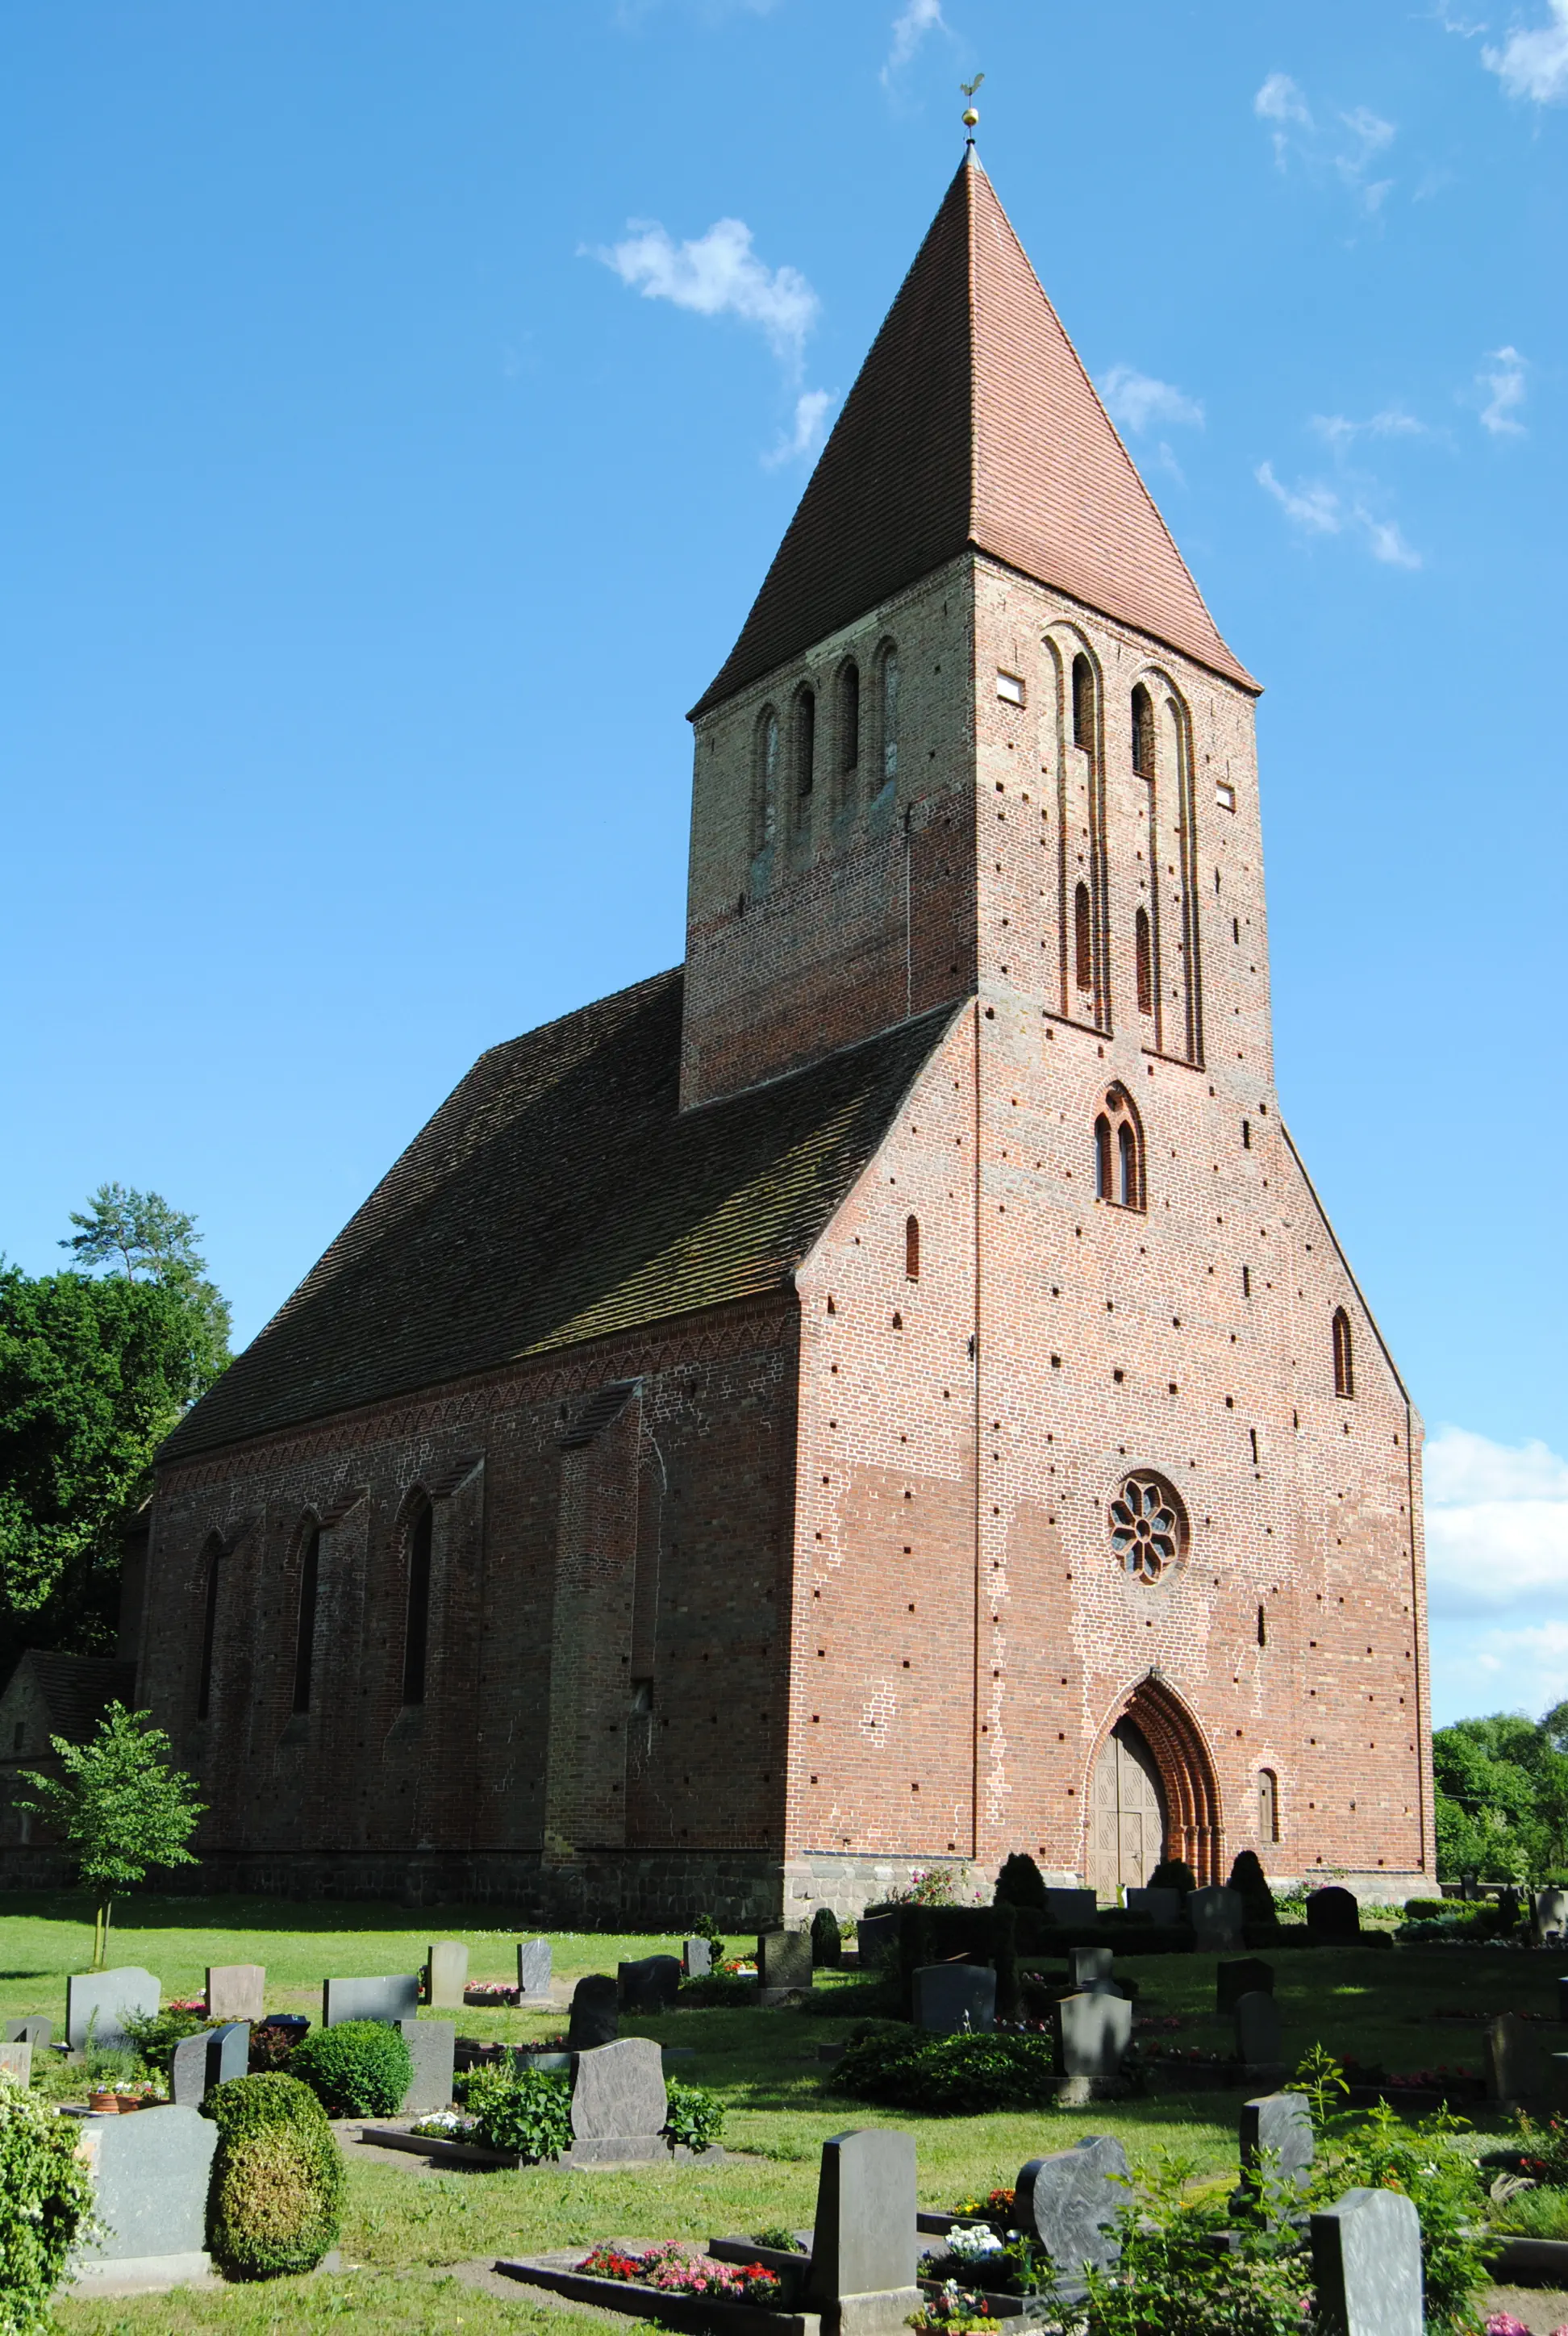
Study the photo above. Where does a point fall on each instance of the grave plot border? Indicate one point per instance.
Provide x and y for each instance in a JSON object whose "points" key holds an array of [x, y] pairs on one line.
{"points": [[473, 2153], [1517, 2257], [558, 2275]]}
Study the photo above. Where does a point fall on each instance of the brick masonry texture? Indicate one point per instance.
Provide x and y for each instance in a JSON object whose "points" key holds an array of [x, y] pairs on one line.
{"points": [[787, 1568]]}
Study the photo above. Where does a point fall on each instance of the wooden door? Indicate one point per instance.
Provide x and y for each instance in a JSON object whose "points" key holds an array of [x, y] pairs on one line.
{"points": [[1126, 1817]]}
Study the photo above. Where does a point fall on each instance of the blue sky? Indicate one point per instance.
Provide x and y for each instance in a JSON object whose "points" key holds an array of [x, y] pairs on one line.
{"points": [[403, 402]]}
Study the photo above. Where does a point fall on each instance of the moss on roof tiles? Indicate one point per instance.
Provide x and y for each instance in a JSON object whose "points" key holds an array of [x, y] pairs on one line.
{"points": [[558, 1195]]}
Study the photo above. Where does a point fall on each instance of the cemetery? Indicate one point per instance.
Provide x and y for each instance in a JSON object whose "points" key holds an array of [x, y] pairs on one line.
{"points": [[960, 2117]]}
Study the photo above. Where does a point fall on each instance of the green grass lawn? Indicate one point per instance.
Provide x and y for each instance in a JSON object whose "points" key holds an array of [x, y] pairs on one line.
{"points": [[406, 2227]]}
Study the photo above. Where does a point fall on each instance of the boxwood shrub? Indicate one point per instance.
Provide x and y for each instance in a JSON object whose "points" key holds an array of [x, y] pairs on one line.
{"points": [[949, 2076], [525, 2109], [694, 2116], [45, 2198], [275, 2203], [361, 2068]]}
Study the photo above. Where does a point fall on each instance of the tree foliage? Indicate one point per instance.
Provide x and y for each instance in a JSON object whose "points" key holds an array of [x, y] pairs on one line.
{"points": [[120, 1806], [1503, 1796]]}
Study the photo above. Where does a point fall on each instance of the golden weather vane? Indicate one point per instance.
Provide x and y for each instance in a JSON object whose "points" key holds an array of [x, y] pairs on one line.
{"points": [[971, 116]]}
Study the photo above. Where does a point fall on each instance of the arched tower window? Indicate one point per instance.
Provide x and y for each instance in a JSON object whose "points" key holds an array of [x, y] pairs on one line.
{"points": [[805, 742], [304, 1628], [1344, 1354], [1143, 733], [1084, 723], [212, 1559], [766, 780], [850, 718], [889, 708], [1083, 939], [1268, 1806], [416, 1628], [1143, 952], [912, 1249], [1119, 1152]]}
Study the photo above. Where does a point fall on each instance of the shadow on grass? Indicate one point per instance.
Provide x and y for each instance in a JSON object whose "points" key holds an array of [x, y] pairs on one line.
{"points": [[164, 1911]]}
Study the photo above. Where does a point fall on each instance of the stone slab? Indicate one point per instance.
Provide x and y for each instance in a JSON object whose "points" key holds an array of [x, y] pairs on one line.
{"points": [[150, 2177], [1280, 2124], [697, 1957], [1367, 2264], [784, 1959], [650, 1985], [875, 1936], [1075, 1910], [16, 2060], [1257, 2019], [951, 1997], [143, 2274], [394, 1999], [1217, 1916], [100, 1999], [1069, 2203], [1092, 2033], [1246, 1975], [1550, 1913], [432, 2047], [35, 2029], [1511, 2059], [1161, 1906], [1086, 1965], [1333, 1915], [446, 1962], [236, 1990], [595, 2013], [533, 1966], [863, 2240], [617, 2092], [188, 2072]]}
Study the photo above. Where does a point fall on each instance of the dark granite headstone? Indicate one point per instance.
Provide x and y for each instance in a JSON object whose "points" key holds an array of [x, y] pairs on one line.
{"points": [[100, 1999], [1069, 2202], [1367, 2264], [1281, 2125], [35, 2029], [236, 1990], [951, 1997], [391, 2000], [188, 2072], [432, 2047], [1333, 1916], [650, 1985], [862, 2264], [1511, 2058], [1075, 1910], [149, 2176], [1092, 2033], [213, 2056], [697, 1956], [1216, 1916], [1247, 1975], [1164, 1906], [876, 1935], [784, 1959], [617, 2092], [1257, 2017], [533, 1967], [1087, 1964], [595, 2013]]}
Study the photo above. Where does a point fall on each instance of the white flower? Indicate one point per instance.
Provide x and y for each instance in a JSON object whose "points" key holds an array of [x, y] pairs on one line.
{"points": [[974, 2240]]}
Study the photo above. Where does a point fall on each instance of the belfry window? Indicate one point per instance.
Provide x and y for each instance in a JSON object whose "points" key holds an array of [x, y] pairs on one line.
{"points": [[212, 1562], [890, 706], [850, 718], [1143, 954], [304, 1629], [1083, 940], [416, 1627], [912, 1249], [1143, 733], [1084, 723], [1344, 1354], [1119, 1152], [1103, 1158], [766, 778]]}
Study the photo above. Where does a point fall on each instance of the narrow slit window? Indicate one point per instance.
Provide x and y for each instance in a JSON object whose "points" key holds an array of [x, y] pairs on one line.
{"points": [[1262, 1626], [805, 742], [1268, 1806], [209, 1628], [767, 778], [1344, 1354], [1143, 952], [416, 1628], [1119, 1151], [1084, 723], [1102, 1158], [1127, 1162], [304, 1629], [1143, 733], [911, 1249], [1083, 940], [890, 714], [1246, 1281], [850, 718]]}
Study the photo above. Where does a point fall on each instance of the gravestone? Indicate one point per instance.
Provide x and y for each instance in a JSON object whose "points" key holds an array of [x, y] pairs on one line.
{"points": [[99, 1998], [1216, 1916], [188, 2072], [394, 1999], [862, 2261], [876, 1935], [432, 2047], [35, 2029], [1162, 1907], [696, 1957], [533, 1967], [1248, 1975], [1550, 1913], [1554, 2074], [235, 1990], [213, 2056], [951, 1997], [1367, 2264], [229, 2047], [1562, 1996], [448, 1969], [16, 2060], [1092, 2032], [1333, 1916], [1075, 1910], [619, 2102], [1257, 2017], [149, 2176], [1511, 2059], [1087, 1964], [1069, 2203], [784, 1959], [595, 2013], [1281, 2125], [650, 1985]]}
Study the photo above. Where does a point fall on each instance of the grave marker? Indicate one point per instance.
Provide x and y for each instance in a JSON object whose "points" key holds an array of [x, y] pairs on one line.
{"points": [[1092, 2032], [1069, 2202], [448, 1969], [875, 1936], [1550, 1913], [1280, 2122], [16, 2060], [619, 2102], [1087, 1964], [394, 1999], [235, 1990], [1164, 1906], [863, 2262], [696, 1957], [1216, 1916], [784, 1960], [1511, 2059], [1075, 1910], [188, 2072], [149, 2177], [35, 2029], [533, 1967], [951, 1997], [1333, 1917], [1257, 2017], [650, 1985], [213, 2056], [99, 1999], [432, 2047], [1367, 2264], [1247, 1976], [595, 2013]]}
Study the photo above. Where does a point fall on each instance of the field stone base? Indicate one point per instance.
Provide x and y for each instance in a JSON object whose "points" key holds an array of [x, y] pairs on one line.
{"points": [[141, 2274], [878, 2314]]}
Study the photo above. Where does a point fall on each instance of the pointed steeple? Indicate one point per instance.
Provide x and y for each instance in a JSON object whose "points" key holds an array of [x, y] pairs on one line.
{"points": [[972, 421]]}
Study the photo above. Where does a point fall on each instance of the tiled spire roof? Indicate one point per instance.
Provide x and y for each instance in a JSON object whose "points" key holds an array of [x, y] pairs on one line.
{"points": [[972, 421]]}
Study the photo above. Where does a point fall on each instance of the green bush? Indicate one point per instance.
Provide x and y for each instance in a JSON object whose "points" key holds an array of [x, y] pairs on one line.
{"points": [[1173, 1873], [1021, 1882], [157, 2034], [46, 2199], [825, 1939], [694, 2116], [1247, 1876], [276, 2204], [361, 2068], [948, 2076], [731, 1988], [1183, 2272], [525, 2109]]}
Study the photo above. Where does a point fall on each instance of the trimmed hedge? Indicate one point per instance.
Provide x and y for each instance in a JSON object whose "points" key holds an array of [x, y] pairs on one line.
{"points": [[278, 2183], [361, 2068], [947, 2075]]}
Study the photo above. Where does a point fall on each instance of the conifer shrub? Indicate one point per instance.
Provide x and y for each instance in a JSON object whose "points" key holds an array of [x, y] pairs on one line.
{"points": [[1247, 1876], [361, 2068], [1173, 1873], [826, 1945], [1021, 1882], [46, 2199], [276, 2204]]}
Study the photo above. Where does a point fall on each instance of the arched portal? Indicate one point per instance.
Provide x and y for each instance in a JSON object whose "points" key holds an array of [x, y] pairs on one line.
{"points": [[1152, 1795]]}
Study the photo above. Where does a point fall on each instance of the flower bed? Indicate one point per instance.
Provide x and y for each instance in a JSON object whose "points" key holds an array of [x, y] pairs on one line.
{"points": [[673, 2270]]}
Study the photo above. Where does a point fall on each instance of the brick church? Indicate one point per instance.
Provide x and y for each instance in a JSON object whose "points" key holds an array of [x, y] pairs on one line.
{"points": [[884, 1394]]}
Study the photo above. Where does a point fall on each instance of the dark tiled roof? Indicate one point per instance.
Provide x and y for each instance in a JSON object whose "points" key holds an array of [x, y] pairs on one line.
{"points": [[972, 421], [76, 1688], [558, 1195]]}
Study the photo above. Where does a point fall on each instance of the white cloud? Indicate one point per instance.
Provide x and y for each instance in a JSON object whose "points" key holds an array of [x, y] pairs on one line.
{"points": [[1324, 510], [1535, 65], [1496, 1572], [805, 436], [1506, 386], [918, 18], [717, 273], [1345, 146], [1393, 422], [1133, 400]]}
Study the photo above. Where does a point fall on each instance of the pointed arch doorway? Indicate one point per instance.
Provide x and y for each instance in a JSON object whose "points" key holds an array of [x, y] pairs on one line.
{"points": [[1152, 1795]]}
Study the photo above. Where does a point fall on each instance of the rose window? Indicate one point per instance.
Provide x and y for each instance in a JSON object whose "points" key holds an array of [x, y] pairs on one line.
{"points": [[1146, 1527]]}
